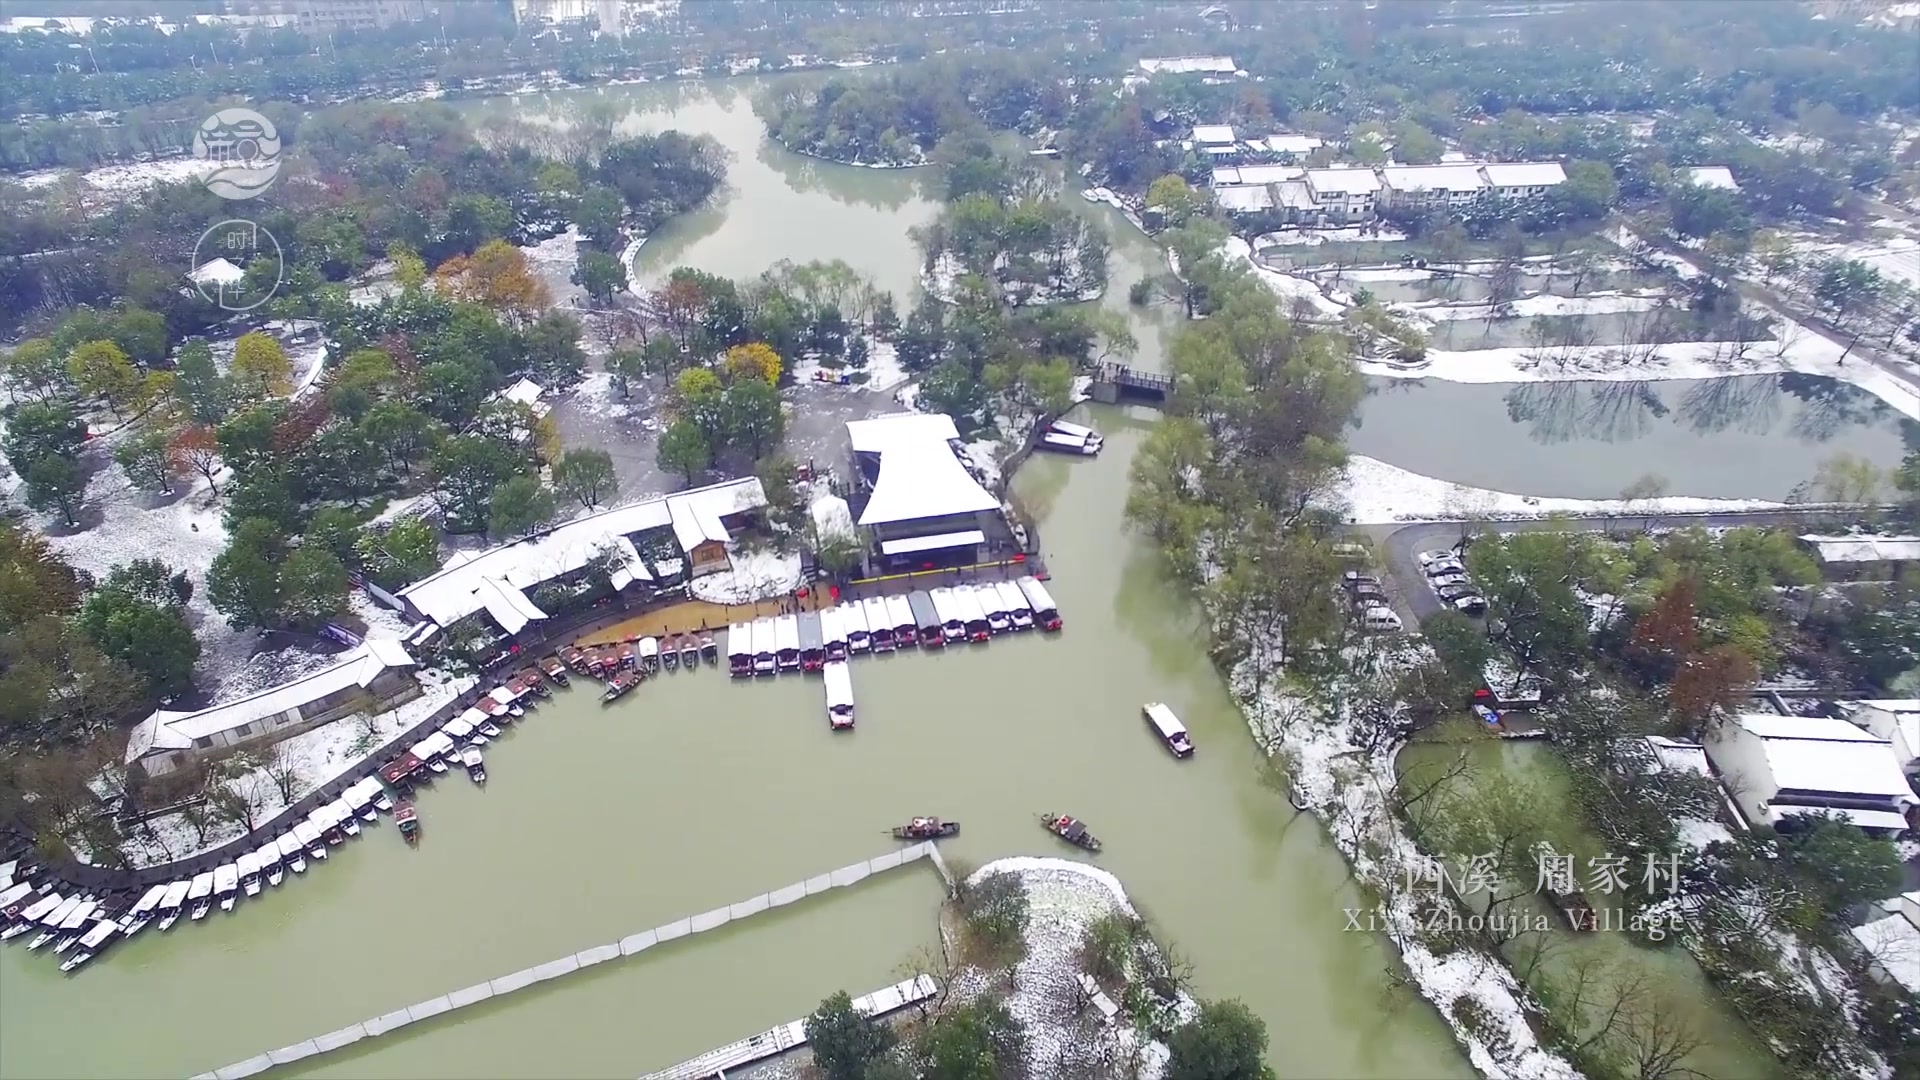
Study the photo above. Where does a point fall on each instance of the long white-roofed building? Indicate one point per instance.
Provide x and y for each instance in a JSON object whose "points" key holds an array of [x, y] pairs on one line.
{"points": [[1780, 767], [921, 503], [512, 590], [374, 676]]}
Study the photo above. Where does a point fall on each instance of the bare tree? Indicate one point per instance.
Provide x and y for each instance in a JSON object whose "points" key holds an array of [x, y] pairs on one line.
{"points": [[281, 771], [1656, 1039]]}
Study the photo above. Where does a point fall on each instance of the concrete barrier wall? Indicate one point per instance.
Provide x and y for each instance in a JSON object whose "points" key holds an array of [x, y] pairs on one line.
{"points": [[567, 965]]}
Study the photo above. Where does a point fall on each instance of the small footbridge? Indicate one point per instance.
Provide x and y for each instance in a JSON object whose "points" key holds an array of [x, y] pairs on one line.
{"points": [[1113, 383]]}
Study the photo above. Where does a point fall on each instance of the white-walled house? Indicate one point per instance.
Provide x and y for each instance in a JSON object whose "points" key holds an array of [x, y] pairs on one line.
{"points": [[1778, 766], [1896, 720], [1893, 942]]}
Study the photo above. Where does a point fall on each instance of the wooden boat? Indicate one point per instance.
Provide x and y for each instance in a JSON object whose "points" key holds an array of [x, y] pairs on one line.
{"points": [[619, 685], [556, 669], [926, 828], [670, 652], [574, 657], [534, 681], [689, 652], [709, 649], [1072, 830], [405, 816]]}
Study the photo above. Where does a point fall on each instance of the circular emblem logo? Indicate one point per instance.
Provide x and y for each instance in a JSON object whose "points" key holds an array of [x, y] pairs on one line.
{"points": [[237, 265], [245, 150]]}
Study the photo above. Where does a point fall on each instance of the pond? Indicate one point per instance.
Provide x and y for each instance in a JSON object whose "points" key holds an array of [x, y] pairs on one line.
{"points": [[1749, 436]]}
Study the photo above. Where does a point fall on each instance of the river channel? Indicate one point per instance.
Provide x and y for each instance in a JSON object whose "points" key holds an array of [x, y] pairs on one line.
{"points": [[697, 791]]}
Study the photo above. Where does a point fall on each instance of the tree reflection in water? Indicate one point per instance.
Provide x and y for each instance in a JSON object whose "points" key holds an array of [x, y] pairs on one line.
{"points": [[1828, 405], [1558, 412], [1745, 403]]}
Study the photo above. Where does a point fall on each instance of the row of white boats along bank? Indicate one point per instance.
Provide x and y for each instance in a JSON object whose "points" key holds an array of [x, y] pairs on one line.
{"points": [[80, 926], [825, 640]]}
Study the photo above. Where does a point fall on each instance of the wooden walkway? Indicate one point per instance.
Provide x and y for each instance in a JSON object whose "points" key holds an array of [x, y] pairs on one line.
{"points": [[793, 1034], [1122, 381], [695, 615], [585, 958]]}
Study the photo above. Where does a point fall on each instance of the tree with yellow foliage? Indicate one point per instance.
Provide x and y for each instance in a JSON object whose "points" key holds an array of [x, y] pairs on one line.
{"points": [[260, 366], [408, 268], [101, 369], [754, 360], [498, 276]]}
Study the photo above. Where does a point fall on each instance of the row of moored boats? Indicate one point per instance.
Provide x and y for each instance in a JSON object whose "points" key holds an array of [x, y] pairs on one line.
{"points": [[623, 665], [822, 641]]}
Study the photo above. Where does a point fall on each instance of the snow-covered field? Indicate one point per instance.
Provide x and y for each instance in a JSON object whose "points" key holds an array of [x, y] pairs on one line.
{"points": [[1377, 493], [122, 179], [1286, 286], [758, 575], [1316, 237], [1064, 897], [883, 369], [316, 758]]}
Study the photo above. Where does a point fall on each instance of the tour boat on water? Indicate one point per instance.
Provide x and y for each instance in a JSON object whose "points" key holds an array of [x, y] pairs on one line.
{"points": [[92, 944], [405, 816], [226, 885], [200, 896], [171, 904], [926, 828], [1072, 830], [476, 768], [142, 911]]}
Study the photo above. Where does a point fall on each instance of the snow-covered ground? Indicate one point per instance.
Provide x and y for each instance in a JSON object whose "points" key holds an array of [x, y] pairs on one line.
{"points": [[1348, 788], [1377, 493], [982, 457], [1287, 286], [1527, 307], [121, 179], [757, 575], [883, 369], [597, 396], [1064, 897], [1316, 237], [316, 758]]}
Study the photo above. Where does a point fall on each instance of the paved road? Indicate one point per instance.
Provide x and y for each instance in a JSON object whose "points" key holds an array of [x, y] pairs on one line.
{"points": [[1401, 546]]}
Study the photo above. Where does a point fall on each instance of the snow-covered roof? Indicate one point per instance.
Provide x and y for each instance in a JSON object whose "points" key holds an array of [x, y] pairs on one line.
{"points": [[1243, 198], [1351, 180], [525, 392], [1504, 174], [1184, 65], [1433, 177], [1864, 548], [1287, 144], [216, 272], [920, 476], [1895, 945], [1213, 134], [1822, 753], [497, 579], [908, 545], [177, 730], [1679, 756], [1904, 714], [1256, 174], [1865, 819], [1713, 176]]}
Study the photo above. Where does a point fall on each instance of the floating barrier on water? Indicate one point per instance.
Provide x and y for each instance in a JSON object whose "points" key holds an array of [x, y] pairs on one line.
{"points": [[787, 1036], [567, 965]]}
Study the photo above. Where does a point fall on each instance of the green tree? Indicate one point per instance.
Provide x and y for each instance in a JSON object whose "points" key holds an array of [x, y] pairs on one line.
{"points": [[335, 529], [141, 630], [142, 335], [684, 449], [37, 431], [146, 460], [401, 431], [56, 484], [598, 215], [1463, 648], [199, 387], [601, 275], [586, 476], [403, 553], [995, 910], [754, 419], [844, 1040], [518, 506], [1174, 198], [554, 357], [244, 581], [313, 587], [467, 468], [1846, 288], [1415, 145], [1838, 865], [979, 1041], [625, 366], [1225, 1042], [34, 368], [260, 367], [101, 369]]}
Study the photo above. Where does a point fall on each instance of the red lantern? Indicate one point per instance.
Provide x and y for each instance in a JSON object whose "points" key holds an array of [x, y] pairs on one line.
{"points": [[1020, 557]]}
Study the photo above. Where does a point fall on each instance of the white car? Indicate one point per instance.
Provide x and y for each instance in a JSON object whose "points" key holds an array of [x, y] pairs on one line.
{"points": [[1437, 555], [1444, 566], [1441, 581], [1380, 620]]}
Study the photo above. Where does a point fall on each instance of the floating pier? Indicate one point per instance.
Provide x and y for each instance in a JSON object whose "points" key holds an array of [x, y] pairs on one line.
{"points": [[553, 969], [779, 1040]]}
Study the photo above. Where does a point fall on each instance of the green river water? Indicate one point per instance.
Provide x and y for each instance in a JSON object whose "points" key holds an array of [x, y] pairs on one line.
{"points": [[697, 791]]}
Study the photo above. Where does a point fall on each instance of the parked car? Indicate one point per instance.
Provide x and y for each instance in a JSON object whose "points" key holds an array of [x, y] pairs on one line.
{"points": [[1380, 619], [1443, 580], [1455, 591], [1471, 604], [1437, 555], [1353, 579], [1444, 566], [1369, 595]]}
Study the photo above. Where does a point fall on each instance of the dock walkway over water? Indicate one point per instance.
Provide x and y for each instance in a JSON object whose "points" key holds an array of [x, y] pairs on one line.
{"points": [[566, 965], [788, 1036], [1112, 382]]}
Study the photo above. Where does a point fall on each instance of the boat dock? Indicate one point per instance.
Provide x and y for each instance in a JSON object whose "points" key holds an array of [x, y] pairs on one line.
{"points": [[566, 965], [713, 1064]]}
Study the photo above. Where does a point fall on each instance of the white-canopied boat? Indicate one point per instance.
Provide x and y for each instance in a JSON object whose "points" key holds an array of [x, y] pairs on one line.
{"points": [[786, 635], [648, 653], [839, 685], [359, 795], [74, 926], [172, 903], [987, 595], [249, 865], [382, 801], [1045, 615], [853, 619], [92, 943], [49, 923], [833, 633], [508, 701], [293, 852], [271, 872], [344, 820], [1067, 444], [476, 767], [1168, 726], [740, 650], [966, 600], [30, 916], [142, 911], [481, 723], [953, 624], [1019, 612], [906, 627], [766, 647], [308, 834], [14, 899], [879, 623], [200, 896], [226, 885]]}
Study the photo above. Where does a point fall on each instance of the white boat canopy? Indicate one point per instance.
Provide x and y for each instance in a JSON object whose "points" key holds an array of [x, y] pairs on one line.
{"points": [[248, 863], [900, 614], [175, 895], [147, 902], [649, 647], [41, 907], [101, 931], [503, 695], [78, 917], [1077, 430], [839, 684], [225, 877], [363, 793], [306, 834], [832, 627], [202, 885], [472, 716], [456, 728], [853, 619], [1037, 594], [470, 756], [1011, 598], [17, 893], [289, 846]]}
